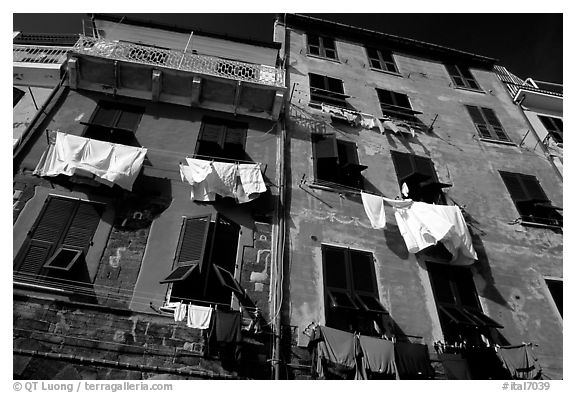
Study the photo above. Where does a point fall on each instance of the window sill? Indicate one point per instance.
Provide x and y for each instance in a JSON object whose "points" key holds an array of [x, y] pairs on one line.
{"points": [[479, 91], [387, 72], [324, 58], [495, 141], [539, 225]]}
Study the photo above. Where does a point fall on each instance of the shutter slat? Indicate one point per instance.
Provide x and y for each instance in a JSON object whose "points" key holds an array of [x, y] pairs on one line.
{"points": [[193, 240], [35, 257], [53, 220]]}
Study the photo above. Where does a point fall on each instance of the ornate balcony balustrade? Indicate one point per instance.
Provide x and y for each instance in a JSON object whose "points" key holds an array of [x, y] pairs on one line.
{"points": [[39, 54], [180, 60]]}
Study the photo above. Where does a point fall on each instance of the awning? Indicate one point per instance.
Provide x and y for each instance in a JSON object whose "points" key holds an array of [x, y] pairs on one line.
{"points": [[110, 163]]}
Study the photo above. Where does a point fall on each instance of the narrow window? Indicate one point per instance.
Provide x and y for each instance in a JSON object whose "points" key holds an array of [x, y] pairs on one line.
{"points": [[554, 126], [462, 77], [204, 265], [487, 124], [321, 46], [58, 241], [381, 59], [530, 199], [222, 139], [324, 89], [116, 123], [336, 161], [419, 176], [351, 294]]}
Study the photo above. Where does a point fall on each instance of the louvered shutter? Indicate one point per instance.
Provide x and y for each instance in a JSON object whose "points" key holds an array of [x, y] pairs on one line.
{"points": [[45, 235], [83, 226], [514, 185], [193, 240], [495, 123], [234, 142]]}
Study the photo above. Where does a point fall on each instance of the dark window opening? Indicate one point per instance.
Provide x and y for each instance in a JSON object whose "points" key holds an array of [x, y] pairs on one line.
{"points": [[336, 161], [324, 89], [462, 77], [222, 139], [419, 176], [58, 241], [487, 124], [17, 95], [115, 123], [555, 288], [397, 106], [459, 310], [381, 59], [321, 46], [554, 126], [351, 294], [203, 270], [530, 199]]}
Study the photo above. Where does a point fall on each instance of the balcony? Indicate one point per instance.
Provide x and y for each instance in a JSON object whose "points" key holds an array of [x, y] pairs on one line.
{"points": [[178, 77], [38, 65]]}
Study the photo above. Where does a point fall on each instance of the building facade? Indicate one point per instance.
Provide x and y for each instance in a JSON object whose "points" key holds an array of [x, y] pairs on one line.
{"points": [[112, 242], [391, 117]]}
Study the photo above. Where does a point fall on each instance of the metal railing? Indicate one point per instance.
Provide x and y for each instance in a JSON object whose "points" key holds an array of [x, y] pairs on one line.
{"points": [[40, 54], [180, 60]]}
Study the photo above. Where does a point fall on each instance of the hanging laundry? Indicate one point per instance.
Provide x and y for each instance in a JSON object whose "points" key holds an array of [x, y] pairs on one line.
{"points": [[369, 122], [335, 352], [423, 225], [520, 361], [180, 312], [199, 317], [374, 208], [200, 191], [389, 124], [378, 356], [405, 190], [251, 183], [455, 366], [111, 163], [412, 361], [225, 336]]}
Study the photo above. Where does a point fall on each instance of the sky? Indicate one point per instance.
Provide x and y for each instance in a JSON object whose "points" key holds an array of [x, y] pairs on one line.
{"points": [[529, 45]]}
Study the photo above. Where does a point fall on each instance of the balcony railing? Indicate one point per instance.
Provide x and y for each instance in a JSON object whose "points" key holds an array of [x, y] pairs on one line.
{"points": [[180, 60], [40, 54]]}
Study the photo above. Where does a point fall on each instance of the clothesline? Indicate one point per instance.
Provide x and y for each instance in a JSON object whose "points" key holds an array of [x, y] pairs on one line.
{"points": [[354, 190]]}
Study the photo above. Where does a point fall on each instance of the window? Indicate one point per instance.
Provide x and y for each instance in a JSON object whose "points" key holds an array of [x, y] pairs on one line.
{"points": [[113, 122], [461, 316], [555, 288], [419, 175], [222, 139], [381, 59], [58, 241], [462, 77], [336, 161], [351, 293], [395, 104], [554, 127], [205, 261], [321, 46], [531, 202], [487, 124], [324, 89], [17, 95]]}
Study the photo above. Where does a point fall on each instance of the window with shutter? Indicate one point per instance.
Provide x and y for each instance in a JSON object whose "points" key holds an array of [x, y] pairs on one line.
{"points": [[336, 161], [419, 175], [530, 199], [554, 126], [321, 46], [222, 139], [381, 59], [327, 90], [351, 293], [461, 316], [462, 77], [203, 268], [114, 122], [59, 238], [555, 288], [487, 124]]}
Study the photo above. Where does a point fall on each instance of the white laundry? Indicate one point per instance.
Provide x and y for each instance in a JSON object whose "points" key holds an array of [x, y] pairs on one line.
{"points": [[251, 183], [391, 126], [180, 312], [405, 190], [198, 169], [423, 225], [111, 163], [200, 191], [374, 208], [199, 317]]}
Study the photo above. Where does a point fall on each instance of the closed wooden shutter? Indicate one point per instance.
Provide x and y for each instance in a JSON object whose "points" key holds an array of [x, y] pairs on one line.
{"points": [[193, 238], [62, 222]]}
